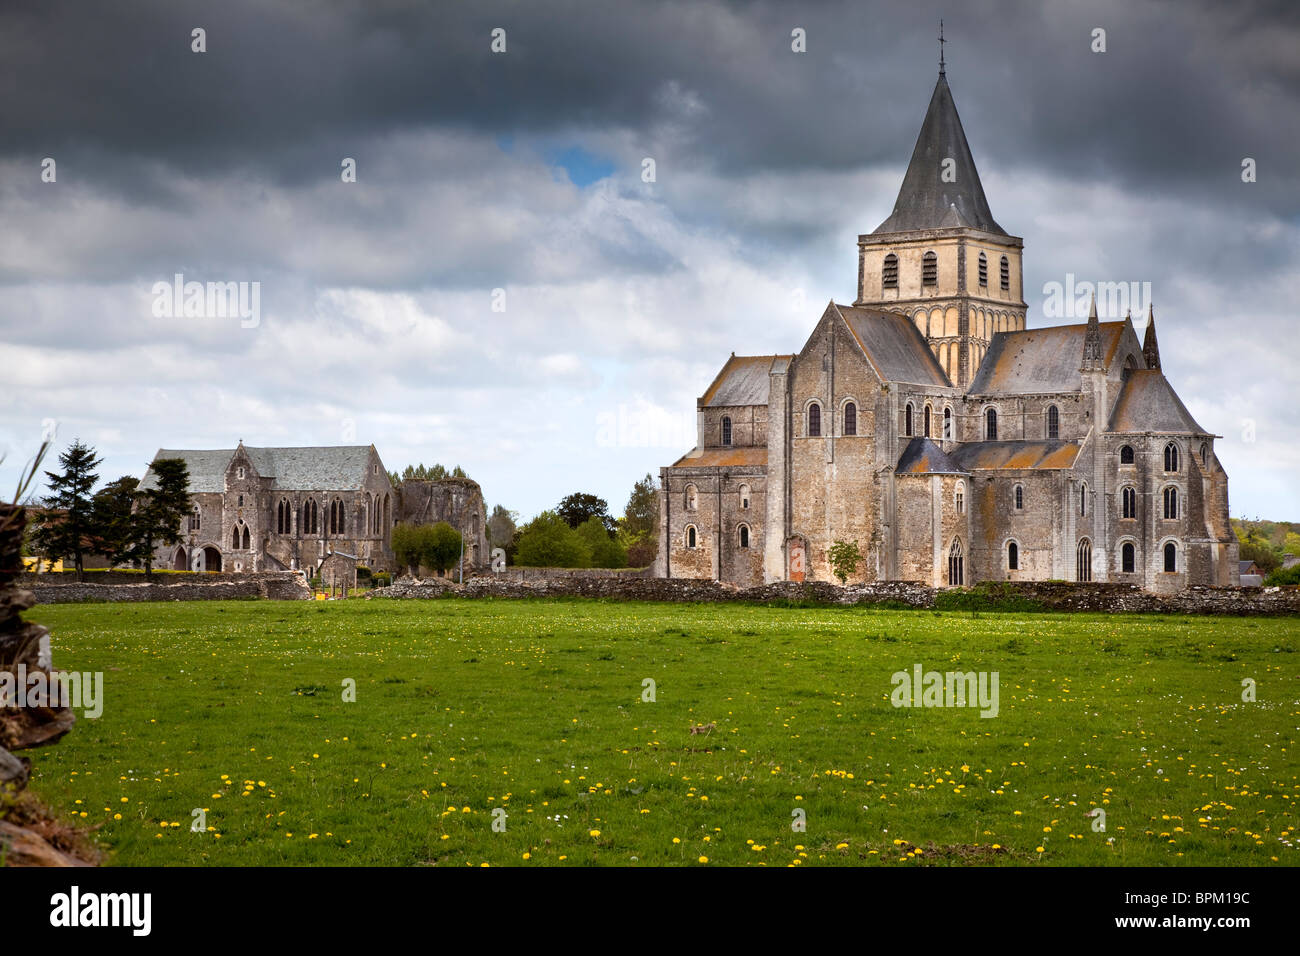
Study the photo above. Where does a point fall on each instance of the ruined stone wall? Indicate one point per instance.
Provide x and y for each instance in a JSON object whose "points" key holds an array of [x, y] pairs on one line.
{"points": [[457, 501], [286, 586]]}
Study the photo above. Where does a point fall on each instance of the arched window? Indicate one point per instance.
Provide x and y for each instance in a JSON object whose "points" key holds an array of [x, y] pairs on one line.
{"points": [[929, 269], [907, 420], [336, 516], [1020, 497], [1171, 558], [814, 420], [1053, 422], [234, 539], [1083, 560], [1013, 556], [991, 425], [956, 567], [726, 429], [246, 546], [196, 519], [1205, 455], [959, 497], [1126, 455], [889, 272], [1130, 502], [850, 418], [1171, 457], [690, 536], [1171, 502], [1128, 557], [947, 423], [984, 269], [1083, 499], [744, 497], [927, 420], [1006, 274], [742, 536], [692, 498]]}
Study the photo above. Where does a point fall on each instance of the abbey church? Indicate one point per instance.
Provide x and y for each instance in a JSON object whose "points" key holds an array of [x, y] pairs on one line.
{"points": [[930, 426]]}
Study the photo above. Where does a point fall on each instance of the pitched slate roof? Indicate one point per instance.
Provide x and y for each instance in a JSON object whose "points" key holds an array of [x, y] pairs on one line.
{"points": [[923, 457], [1015, 455], [895, 348], [925, 201], [742, 381], [326, 468], [1041, 360], [1147, 403], [723, 457]]}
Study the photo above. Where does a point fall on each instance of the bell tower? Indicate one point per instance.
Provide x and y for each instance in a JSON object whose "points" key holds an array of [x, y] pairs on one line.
{"points": [[940, 258]]}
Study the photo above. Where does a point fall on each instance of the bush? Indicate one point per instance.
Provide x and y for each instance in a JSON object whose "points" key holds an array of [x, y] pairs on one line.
{"points": [[1284, 577], [641, 555], [606, 550], [986, 596], [381, 579], [548, 542]]}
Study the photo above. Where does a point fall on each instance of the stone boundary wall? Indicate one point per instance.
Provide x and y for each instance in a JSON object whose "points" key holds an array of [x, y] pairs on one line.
{"points": [[284, 587], [532, 576], [1019, 596], [29, 580]]}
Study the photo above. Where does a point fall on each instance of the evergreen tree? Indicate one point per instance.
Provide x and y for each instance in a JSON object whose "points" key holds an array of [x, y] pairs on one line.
{"points": [[160, 510], [66, 528], [113, 520]]}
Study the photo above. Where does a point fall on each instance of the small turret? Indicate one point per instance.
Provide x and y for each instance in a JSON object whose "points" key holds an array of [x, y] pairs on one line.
{"points": [[1092, 340], [1150, 349]]}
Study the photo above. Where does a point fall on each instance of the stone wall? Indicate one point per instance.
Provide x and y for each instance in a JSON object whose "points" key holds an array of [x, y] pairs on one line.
{"points": [[28, 580], [281, 587], [1042, 595]]}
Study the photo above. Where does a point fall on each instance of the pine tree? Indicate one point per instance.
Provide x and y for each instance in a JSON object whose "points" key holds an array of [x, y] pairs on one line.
{"points": [[114, 519], [66, 529], [160, 510]]}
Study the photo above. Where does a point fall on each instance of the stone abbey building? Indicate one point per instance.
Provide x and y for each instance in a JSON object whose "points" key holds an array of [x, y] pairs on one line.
{"points": [[270, 509], [953, 444]]}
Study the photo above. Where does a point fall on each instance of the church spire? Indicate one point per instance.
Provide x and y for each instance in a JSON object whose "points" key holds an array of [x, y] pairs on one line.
{"points": [[1092, 339], [942, 41], [1150, 350], [941, 187]]}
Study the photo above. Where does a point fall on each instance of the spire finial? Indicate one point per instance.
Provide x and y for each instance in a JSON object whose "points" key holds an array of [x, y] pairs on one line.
{"points": [[942, 41]]}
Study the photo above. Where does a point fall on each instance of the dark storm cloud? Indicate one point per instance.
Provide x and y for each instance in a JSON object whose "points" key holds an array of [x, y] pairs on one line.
{"points": [[1183, 93]]}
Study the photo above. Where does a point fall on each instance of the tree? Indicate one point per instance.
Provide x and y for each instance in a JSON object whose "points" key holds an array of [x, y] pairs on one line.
{"points": [[113, 517], [578, 507], [501, 529], [548, 542], [66, 527], [1253, 549], [606, 552], [845, 558], [442, 547], [641, 516], [160, 509], [408, 543]]}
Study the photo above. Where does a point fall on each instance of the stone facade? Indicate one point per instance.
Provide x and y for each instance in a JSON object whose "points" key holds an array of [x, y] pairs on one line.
{"points": [[952, 443], [457, 501], [271, 509]]}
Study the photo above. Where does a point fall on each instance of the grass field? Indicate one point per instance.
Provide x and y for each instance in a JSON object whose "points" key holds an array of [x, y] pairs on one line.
{"points": [[464, 708]]}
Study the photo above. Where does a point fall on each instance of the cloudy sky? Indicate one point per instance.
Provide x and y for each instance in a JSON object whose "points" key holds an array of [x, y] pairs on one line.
{"points": [[382, 318]]}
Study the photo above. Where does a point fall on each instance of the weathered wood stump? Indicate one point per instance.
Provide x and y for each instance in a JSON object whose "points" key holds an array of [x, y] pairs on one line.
{"points": [[24, 646]]}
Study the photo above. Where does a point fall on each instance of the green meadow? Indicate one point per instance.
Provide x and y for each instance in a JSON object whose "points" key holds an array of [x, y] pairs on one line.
{"points": [[518, 733]]}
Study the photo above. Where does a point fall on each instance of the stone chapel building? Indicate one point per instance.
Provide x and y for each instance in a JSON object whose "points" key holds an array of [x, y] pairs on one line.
{"points": [[927, 423], [272, 509]]}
